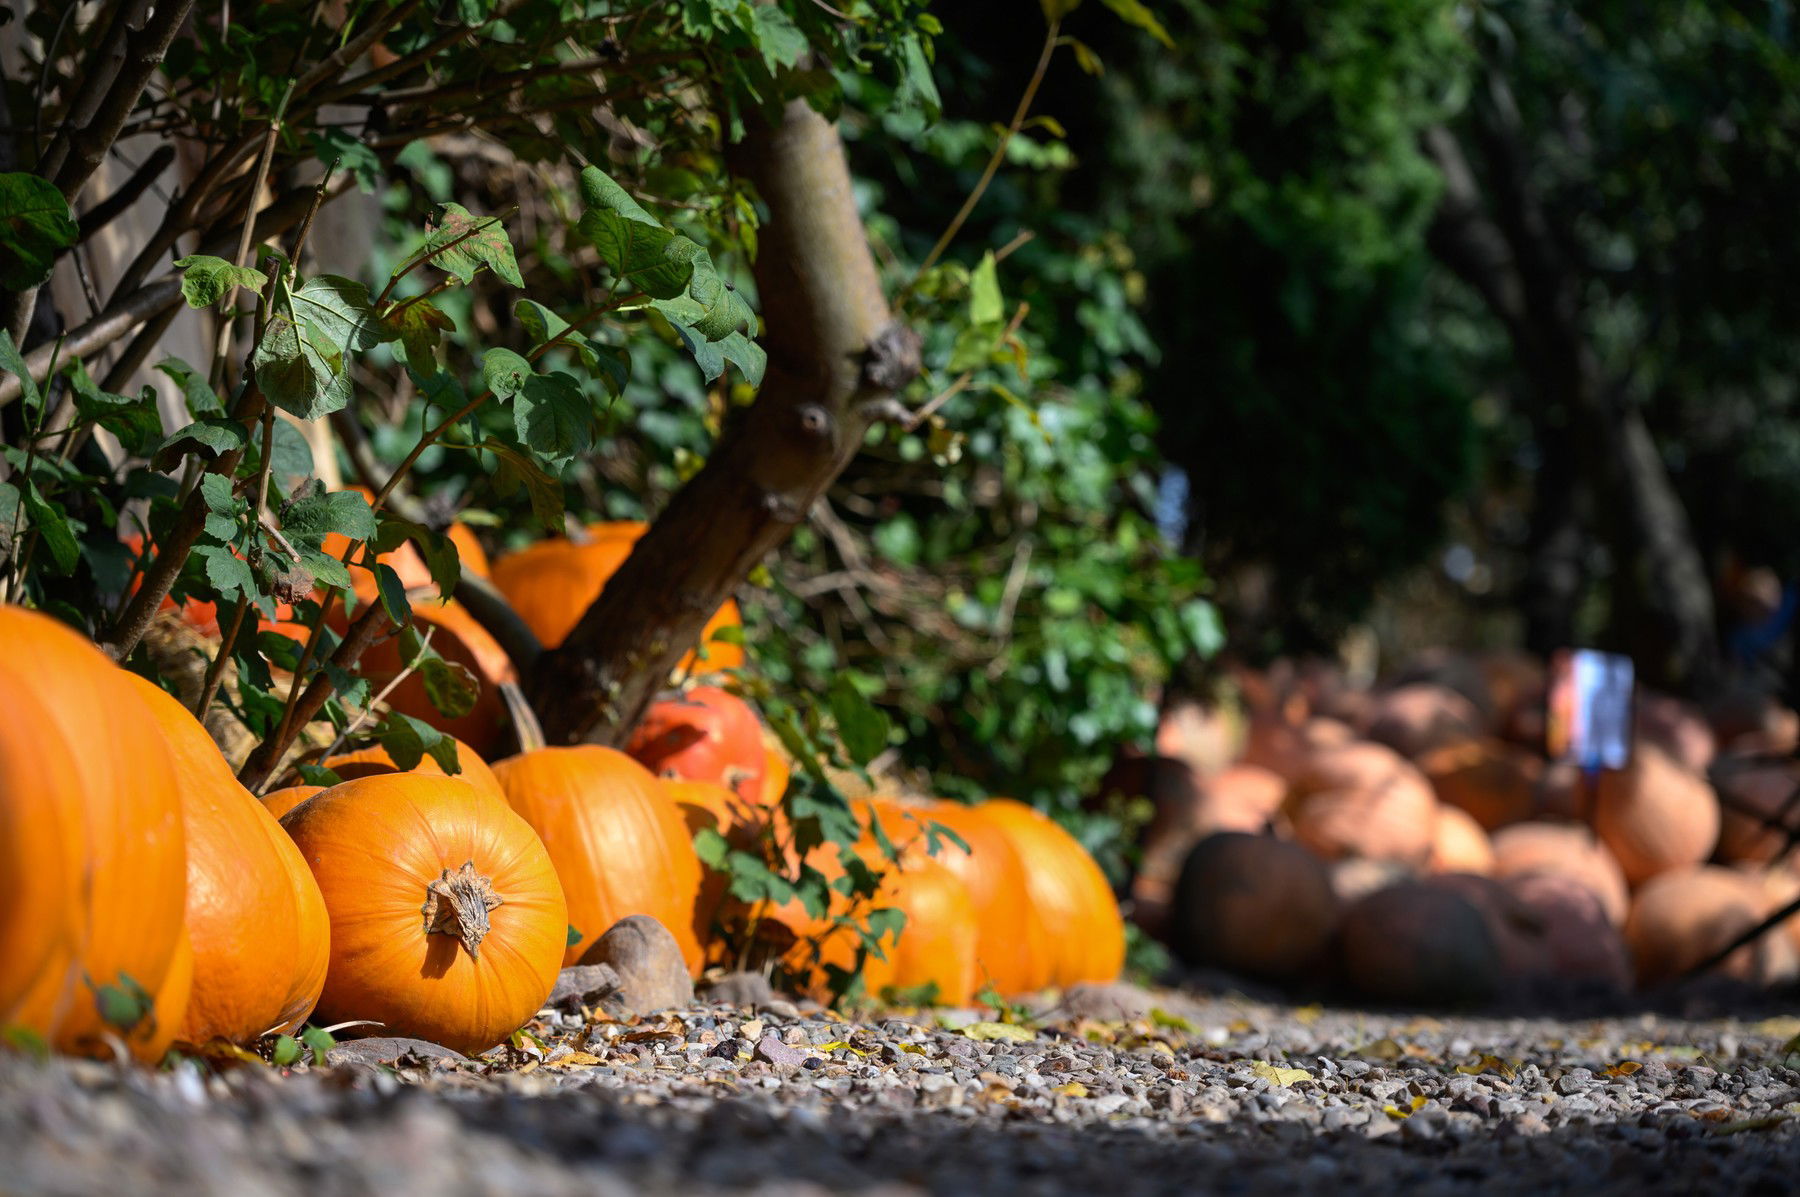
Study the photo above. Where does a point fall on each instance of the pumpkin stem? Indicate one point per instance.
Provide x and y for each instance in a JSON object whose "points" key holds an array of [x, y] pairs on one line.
{"points": [[526, 728], [458, 904]]}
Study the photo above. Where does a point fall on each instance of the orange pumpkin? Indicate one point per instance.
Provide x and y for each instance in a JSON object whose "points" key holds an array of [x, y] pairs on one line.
{"points": [[618, 840], [1011, 941], [776, 775], [374, 759], [1569, 849], [1071, 894], [1758, 801], [458, 638], [1363, 800], [40, 797], [123, 845], [1494, 782], [447, 920], [1252, 904], [280, 802], [1683, 916], [553, 582], [1459, 845], [1416, 718], [1655, 816], [255, 919], [706, 734]]}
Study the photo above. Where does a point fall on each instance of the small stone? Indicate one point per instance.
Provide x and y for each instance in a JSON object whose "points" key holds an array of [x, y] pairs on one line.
{"points": [[583, 985], [773, 1051], [781, 1008], [382, 1049], [652, 974], [746, 991], [1114, 1001]]}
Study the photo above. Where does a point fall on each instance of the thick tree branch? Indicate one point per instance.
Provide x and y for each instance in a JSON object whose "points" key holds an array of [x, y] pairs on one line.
{"points": [[834, 354]]}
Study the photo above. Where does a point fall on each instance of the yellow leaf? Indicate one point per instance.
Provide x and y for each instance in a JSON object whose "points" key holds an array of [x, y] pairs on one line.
{"points": [[1786, 1027], [1072, 1089], [1239, 1026], [998, 1030], [1307, 1015], [914, 1048], [1277, 1075], [838, 1045], [1173, 1022], [1381, 1049], [1412, 1107], [1493, 1064], [1623, 1068], [996, 1092], [577, 1058]]}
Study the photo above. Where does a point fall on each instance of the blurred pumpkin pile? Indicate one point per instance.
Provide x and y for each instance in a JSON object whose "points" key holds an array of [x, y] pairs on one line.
{"points": [[147, 898], [1411, 843]]}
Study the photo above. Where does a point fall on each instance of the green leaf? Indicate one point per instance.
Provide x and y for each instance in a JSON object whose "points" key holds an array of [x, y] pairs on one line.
{"points": [[544, 326], [285, 1052], [418, 325], [13, 363], [53, 530], [349, 152], [123, 1004], [295, 375], [574, 937], [223, 507], [1134, 12], [517, 469], [504, 372], [862, 728], [393, 594], [318, 1041], [985, 304], [337, 315], [309, 519], [631, 242], [134, 420], [553, 416], [35, 225], [778, 39], [451, 687], [227, 573], [460, 243], [209, 439], [10, 524], [439, 551], [407, 741], [201, 401], [206, 280], [1085, 57], [1056, 10], [888, 922], [711, 847], [317, 775]]}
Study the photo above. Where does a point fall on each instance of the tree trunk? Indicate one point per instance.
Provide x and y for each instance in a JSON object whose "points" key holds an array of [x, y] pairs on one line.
{"points": [[835, 361]]}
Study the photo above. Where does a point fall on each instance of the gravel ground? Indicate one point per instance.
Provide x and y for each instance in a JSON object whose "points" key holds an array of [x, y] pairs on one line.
{"points": [[1118, 1090]]}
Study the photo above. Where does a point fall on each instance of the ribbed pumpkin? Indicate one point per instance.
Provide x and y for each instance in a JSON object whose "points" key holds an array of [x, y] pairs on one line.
{"points": [[1011, 941], [280, 802], [41, 796], [374, 759], [618, 840], [1655, 816], [1569, 849], [553, 582], [447, 920], [123, 845], [1071, 894], [255, 918], [705, 734]]}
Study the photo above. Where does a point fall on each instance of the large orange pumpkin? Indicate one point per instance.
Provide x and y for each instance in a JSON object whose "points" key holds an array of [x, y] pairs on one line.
{"points": [[123, 845], [1071, 894], [41, 795], [255, 919], [1655, 816], [374, 759], [447, 920], [553, 582], [705, 734], [1011, 941], [280, 802], [1682, 916], [618, 840]]}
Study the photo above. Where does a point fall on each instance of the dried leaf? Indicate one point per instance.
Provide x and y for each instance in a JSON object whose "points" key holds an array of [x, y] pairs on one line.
{"points": [[1072, 1089], [576, 1058], [1277, 1075], [1381, 1049], [1174, 1022], [1008, 1031], [1493, 1064], [1306, 1016], [1412, 1107], [1623, 1068]]}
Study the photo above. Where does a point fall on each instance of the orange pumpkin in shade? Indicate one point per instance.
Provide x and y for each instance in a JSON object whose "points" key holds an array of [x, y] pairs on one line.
{"points": [[553, 582], [280, 802], [374, 759], [255, 918], [618, 840], [456, 637], [1086, 932], [123, 848], [447, 920], [1011, 941], [1568, 849], [1656, 816], [705, 734]]}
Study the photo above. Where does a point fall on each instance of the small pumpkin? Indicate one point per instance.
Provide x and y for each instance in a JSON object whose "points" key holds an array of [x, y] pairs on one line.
{"points": [[1580, 944], [280, 802], [1459, 845], [1363, 800], [1569, 849], [1678, 728], [1759, 800], [552, 583], [1071, 894], [706, 734], [1655, 815], [447, 920], [1254, 905], [1494, 782], [255, 918], [122, 839], [374, 759], [618, 840]]}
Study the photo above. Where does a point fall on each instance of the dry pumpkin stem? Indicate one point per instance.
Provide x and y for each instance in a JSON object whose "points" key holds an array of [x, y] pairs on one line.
{"points": [[458, 904]]}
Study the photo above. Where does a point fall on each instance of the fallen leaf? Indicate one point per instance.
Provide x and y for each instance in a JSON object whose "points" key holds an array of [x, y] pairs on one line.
{"points": [[1276, 1075], [1174, 1022], [1493, 1064], [1623, 1068], [1785, 1027], [1239, 1026], [1072, 1089], [914, 1048], [1745, 1124], [1012, 1032], [1306, 1016], [1412, 1107], [996, 1092], [1381, 1049], [574, 1058], [839, 1045]]}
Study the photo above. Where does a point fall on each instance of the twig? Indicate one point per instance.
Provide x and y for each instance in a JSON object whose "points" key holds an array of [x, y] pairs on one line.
{"points": [[362, 716], [223, 341], [362, 633], [962, 380], [1750, 936], [994, 159], [215, 671], [108, 209]]}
